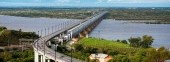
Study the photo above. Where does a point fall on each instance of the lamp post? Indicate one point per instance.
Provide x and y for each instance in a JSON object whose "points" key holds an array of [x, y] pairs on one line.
{"points": [[45, 31], [71, 54], [99, 34], [44, 48], [48, 30], [41, 33], [52, 29], [55, 52]]}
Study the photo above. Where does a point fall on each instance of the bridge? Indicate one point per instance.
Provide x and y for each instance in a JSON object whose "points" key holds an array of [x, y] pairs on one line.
{"points": [[70, 32]]}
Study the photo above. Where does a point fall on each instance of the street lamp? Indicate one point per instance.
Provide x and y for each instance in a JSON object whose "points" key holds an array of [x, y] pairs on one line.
{"points": [[45, 31], [41, 33], [48, 30], [71, 54], [99, 34], [52, 29], [55, 52], [44, 48]]}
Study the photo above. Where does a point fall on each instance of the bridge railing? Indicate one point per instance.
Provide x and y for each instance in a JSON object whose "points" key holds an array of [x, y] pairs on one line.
{"points": [[63, 27]]}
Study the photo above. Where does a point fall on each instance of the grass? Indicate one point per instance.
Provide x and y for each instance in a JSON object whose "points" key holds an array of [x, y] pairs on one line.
{"points": [[101, 43], [107, 45]]}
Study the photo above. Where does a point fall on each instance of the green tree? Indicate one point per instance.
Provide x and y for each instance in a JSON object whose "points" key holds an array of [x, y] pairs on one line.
{"points": [[113, 53], [6, 56], [151, 55], [162, 54], [134, 42], [79, 47], [124, 41], [120, 58], [146, 41], [139, 56]]}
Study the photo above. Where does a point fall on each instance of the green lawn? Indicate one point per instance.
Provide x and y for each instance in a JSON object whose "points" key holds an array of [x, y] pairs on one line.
{"points": [[101, 43]]}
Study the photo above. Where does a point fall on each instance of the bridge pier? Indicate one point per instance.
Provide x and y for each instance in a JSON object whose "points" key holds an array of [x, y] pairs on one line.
{"points": [[36, 56]]}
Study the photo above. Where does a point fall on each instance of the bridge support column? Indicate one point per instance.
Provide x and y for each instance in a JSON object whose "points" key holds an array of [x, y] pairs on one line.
{"points": [[86, 33], [81, 35], [36, 56], [42, 58], [48, 60], [45, 59]]}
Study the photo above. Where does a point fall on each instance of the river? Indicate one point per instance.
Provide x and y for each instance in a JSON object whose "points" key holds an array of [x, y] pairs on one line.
{"points": [[32, 24], [118, 29], [107, 29]]}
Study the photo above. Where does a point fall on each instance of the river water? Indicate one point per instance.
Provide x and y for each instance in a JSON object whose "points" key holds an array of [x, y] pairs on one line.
{"points": [[107, 29], [33, 24], [118, 29]]}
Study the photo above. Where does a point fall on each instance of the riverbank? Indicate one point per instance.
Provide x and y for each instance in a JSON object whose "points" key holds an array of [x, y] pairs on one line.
{"points": [[146, 21], [50, 13]]}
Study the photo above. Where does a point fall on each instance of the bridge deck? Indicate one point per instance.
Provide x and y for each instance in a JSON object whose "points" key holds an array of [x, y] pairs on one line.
{"points": [[41, 47]]}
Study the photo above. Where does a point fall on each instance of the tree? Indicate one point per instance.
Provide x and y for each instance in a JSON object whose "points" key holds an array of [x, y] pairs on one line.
{"points": [[6, 56], [124, 41], [162, 54], [118, 40], [120, 58], [146, 41], [134, 42], [79, 47], [151, 55], [113, 53], [139, 56]]}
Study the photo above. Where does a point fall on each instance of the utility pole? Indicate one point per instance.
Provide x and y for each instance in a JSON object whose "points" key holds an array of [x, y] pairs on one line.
{"points": [[44, 48], [52, 29], [55, 52], [56, 45], [99, 34], [45, 31], [48, 30], [41, 33], [71, 54]]}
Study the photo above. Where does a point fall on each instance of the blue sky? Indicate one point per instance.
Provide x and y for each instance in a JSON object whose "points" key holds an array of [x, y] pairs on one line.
{"points": [[87, 3]]}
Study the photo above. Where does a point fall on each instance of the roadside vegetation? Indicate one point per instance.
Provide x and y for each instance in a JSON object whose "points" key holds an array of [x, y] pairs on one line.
{"points": [[17, 56], [13, 36]]}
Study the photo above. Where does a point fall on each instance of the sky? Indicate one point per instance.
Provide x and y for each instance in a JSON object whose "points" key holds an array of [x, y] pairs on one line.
{"points": [[86, 3]]}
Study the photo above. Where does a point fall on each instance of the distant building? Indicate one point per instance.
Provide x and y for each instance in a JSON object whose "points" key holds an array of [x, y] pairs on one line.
{"points": [[101, 57]]}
